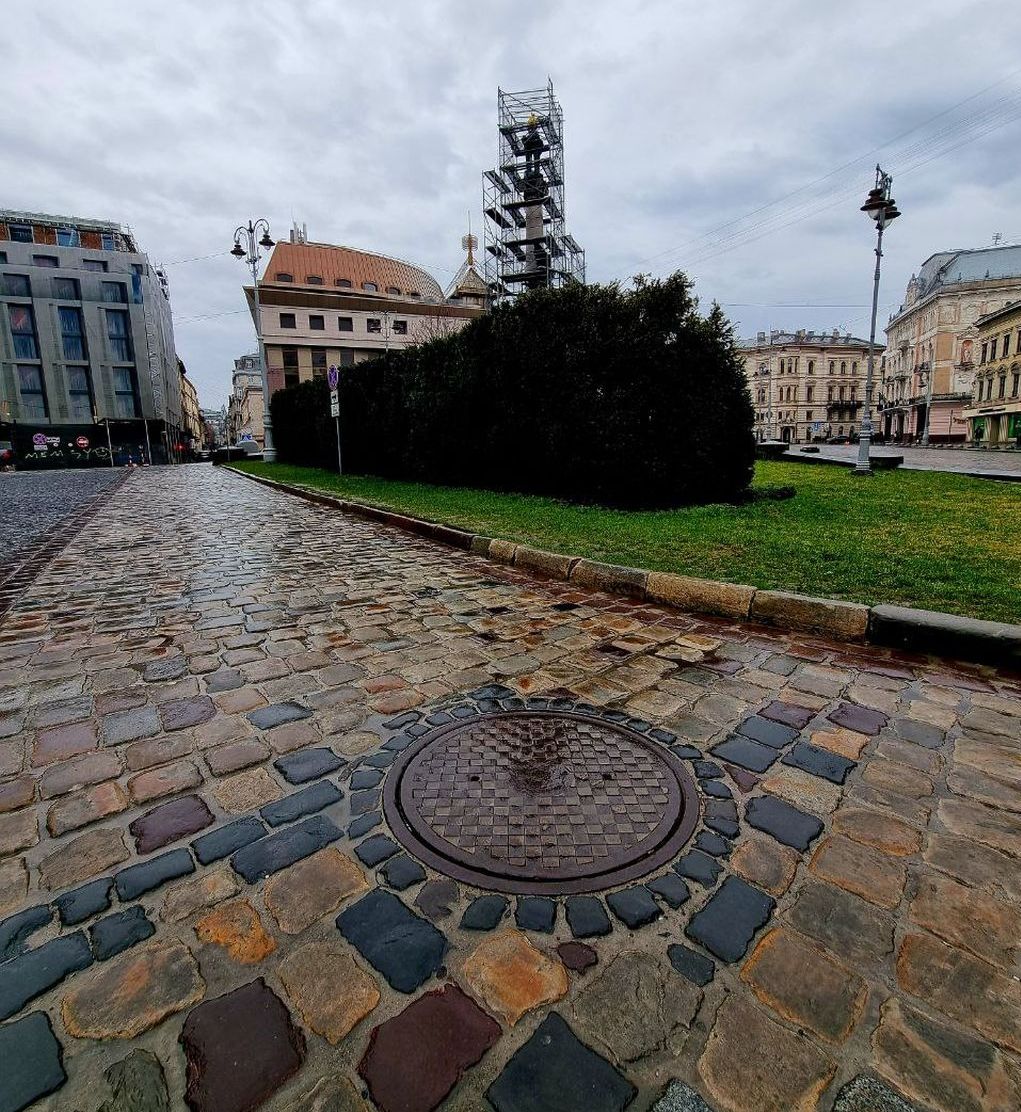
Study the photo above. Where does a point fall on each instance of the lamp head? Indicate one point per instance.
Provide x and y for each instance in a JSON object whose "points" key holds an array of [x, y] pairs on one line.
{"points": [[238, 251], [265, 241]]}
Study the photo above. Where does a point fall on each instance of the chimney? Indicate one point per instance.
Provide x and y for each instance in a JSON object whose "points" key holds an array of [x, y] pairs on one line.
{"points": [[836, 334], [800, 334], [761, 338]]}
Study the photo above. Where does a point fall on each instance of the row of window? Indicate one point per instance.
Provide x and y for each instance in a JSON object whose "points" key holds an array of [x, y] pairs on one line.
{"points": [[35, 403], [790, 394], [985, 385], [989, 352], [344, 284], [63, 289], [72, 333], [790, 366], [66, 237], [317, 323]]}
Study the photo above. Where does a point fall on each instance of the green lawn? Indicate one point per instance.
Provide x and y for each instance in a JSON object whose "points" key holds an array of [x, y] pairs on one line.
{"points": [[936, 541]]}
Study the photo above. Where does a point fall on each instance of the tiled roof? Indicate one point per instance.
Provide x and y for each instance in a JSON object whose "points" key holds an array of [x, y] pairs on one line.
{"points": [[322, 260]]}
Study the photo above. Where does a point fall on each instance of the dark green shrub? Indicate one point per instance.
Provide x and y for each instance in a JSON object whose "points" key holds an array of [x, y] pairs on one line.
{"points": [[587, 393]]}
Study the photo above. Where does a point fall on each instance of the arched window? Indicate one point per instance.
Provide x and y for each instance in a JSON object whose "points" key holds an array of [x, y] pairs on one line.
{"points": [[313, 280], [832, 366], [843, 367], [854, 368], [393, 291], [840, 430], [282, 277], [811, 366], [808, 393], [344, 283], [370, 286]]}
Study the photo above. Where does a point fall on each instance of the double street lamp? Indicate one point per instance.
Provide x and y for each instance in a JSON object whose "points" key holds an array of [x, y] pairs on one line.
{"points": [[882, 208], [246, 247]]}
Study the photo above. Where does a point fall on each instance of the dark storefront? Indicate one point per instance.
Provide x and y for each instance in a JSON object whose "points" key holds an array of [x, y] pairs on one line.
{"points": [[32, 446]]}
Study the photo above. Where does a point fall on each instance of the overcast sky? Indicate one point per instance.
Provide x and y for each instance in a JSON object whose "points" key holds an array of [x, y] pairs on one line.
{"points": [[372, 123]]}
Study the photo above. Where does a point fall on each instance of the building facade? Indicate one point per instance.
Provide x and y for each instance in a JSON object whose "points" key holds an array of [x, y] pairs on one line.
{"points": [[994, 414], [928, 368], [214, 427], [805, 385], [192, 433], [245, 406], [86, 345], [323, 306]]}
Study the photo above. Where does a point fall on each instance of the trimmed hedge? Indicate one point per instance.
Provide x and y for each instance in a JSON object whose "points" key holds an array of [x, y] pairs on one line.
{"points": [[588, 393]]}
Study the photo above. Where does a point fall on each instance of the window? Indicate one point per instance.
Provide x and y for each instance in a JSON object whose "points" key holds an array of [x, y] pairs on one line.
{"points": [[93, 264], [281, 276], [347, 358], [808, 415], [400, 328], [107, 241], [20, 233], [17, 285], [413, 293], [345, 324], [811, 366], [72, 333], [3, 256], [781, 366], [832, 366], [316, 322], [393, 291], [68, 237], [79, 393], [290, 357], [115, 293], [287, 320], [23, 331], [370, 286], [978, 396], [1003, 387], [373, 324], [125, 392], [809, 391], [985, 348], [318, 363], [66, 289], [313, 279], [119, 335], [992, 351], [344, 283], [139, 269], [1006, 345], [33, 392], [1016, 385], [840, 394], [829, 394], [45, 260], [843, 368]]}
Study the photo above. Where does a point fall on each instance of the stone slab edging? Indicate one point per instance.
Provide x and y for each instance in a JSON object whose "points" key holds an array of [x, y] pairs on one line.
{"points": [[901, 627]]}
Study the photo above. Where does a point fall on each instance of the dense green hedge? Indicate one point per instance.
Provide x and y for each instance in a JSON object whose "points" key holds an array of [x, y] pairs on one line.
{"points": [[588, 393]]}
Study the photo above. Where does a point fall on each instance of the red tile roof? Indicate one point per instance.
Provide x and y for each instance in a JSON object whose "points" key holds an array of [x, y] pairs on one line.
{"points": [[322, 260]]}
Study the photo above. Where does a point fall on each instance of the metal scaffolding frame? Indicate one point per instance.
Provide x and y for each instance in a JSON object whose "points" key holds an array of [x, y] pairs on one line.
{"points": [[526, 242]]}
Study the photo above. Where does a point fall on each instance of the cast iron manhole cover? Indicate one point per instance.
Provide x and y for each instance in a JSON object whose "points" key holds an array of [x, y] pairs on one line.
{"points": [[540, 801]]}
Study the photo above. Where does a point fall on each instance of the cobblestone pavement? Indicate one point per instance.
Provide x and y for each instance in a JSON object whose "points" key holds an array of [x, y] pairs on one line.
{"points": [[972, 460], [220, 710]]}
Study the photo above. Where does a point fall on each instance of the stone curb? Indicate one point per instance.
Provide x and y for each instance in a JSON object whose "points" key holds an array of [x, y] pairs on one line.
{"points": [[900, 627]]}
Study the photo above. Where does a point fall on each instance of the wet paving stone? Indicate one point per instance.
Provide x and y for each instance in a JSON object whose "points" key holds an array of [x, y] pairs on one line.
{"points": [[670, 888], [130, 725], [137, 1084], [170, 822], [699, 969], [785, 823], [577, 956], [415, 1059], [168, 668], [510, 976], [402, 872], [728, 922], [365, 778], [726, 827], [764, 730], [721, 809], [277, 714], [364, 823], [316, 797], [536, 913], [866, 1094], [634, 907], [863, 720], [84, 902], [307, 764], [32, 1062], [555, 1069], [788, 714], [17, 929], [363, 802], [406, 949], [227, 679], [713, 844], [227, 840], [249, 1026], [27, 976], [120, 931], [237, 928], [744, 779], [135, 880], [715, 789], [376, 849], [484, 913], [587, 917], [179, 714], [383, 759], [437, 898], [271, 854], [746, 753], [819, 762], [680, 1098], [696, 865]]}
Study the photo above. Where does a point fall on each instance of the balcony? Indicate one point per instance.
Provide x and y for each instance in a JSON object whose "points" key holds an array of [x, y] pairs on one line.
{"points": [[852, 405]]}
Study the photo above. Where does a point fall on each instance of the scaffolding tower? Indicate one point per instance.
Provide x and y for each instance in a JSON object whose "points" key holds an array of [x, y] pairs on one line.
{"points": [[527, 245]]}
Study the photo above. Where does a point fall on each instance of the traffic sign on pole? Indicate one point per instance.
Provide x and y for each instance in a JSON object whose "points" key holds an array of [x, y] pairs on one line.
{"points": [[332, 378]]}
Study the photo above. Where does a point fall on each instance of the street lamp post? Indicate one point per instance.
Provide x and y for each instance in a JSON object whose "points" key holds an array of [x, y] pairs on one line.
{"points": [[928, 405], [882, 208], [250, 253]]}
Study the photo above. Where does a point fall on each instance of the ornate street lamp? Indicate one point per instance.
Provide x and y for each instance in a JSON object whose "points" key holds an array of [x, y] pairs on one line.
{"points": [[246, 247], [882, 208]]}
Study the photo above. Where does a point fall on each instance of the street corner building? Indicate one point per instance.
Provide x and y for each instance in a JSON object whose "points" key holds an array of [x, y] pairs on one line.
{"points": [[805, 385], [319, 305], [87, 360], [994, 416]]}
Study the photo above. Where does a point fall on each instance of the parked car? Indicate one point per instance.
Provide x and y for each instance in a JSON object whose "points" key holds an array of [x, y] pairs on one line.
{"points": [[839, 440]]}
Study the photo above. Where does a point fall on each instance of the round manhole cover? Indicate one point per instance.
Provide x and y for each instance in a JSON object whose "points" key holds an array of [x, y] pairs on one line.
{"points": [[540, 801]]}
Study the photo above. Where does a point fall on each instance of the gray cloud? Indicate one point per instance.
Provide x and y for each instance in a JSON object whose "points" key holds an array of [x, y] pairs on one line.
{"points": [[373, 124]]}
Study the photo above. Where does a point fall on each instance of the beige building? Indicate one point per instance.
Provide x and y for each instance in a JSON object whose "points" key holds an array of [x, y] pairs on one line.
{"points": [[192, 434], [323, 306], [994, 415], [805, 385], [931, 341], [245, 405]]}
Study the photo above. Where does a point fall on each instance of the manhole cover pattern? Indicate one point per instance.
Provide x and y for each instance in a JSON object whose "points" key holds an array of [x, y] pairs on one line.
{"points": [[531, 800]]}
